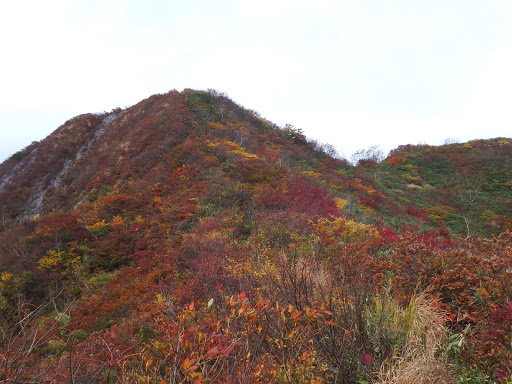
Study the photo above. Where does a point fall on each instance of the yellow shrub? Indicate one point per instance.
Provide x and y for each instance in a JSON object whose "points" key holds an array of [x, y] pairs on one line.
{"points": [[337, 228], [54, 259], [340, 203], [441, 212]]}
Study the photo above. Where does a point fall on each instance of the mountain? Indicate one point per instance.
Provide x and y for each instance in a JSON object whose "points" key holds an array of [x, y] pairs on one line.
{"points": [[188, 239]]}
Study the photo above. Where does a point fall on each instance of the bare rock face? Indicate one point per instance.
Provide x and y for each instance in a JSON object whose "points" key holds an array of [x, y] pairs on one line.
{"points": [[84, 152], [27, 183]]}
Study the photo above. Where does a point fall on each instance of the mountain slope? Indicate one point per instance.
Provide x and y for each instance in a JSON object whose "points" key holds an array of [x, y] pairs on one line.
{"points": [[188, 239]]}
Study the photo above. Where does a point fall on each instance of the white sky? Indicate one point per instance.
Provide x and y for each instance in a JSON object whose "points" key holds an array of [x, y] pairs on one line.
{"points": [[354, 73]]}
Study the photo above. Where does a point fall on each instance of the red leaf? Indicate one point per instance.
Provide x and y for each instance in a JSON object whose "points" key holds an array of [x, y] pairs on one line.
{"points": [[366, 358], [213, 351]]}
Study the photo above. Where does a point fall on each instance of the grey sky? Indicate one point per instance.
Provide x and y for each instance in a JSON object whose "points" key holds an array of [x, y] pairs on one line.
{"points": [[353, 73]]}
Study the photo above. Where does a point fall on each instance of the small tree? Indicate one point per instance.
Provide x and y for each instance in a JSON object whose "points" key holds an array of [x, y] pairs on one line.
{"points": [[369, 158], [372, 155]]}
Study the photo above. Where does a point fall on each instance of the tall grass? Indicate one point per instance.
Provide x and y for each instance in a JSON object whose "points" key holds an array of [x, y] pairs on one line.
{"points": [[414, 339]]}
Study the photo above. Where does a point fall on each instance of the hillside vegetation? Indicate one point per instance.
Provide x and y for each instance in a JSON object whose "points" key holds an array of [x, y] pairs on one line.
{"points": [[187, 239]]}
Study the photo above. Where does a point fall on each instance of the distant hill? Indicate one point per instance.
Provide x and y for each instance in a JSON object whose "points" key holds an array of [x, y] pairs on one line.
{"points": [[188, 239], [464, 187]]}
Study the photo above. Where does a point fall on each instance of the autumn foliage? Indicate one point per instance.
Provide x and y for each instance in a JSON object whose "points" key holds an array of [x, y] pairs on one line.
{"points": [[187, 239]]}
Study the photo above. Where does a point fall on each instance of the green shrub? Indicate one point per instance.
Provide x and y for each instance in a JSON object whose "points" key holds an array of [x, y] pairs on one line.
{"points": [[19, 155]]}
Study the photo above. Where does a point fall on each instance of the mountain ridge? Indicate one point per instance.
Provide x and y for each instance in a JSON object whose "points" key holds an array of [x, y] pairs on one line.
{"points": [[82, 131]]}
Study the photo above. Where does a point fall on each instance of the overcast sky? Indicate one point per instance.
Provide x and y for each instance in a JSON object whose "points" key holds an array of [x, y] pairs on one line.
{"points": [[354, 73]]}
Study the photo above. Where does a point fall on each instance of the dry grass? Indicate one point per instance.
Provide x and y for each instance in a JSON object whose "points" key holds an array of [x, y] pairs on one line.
{"points": [[421, 359]]}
